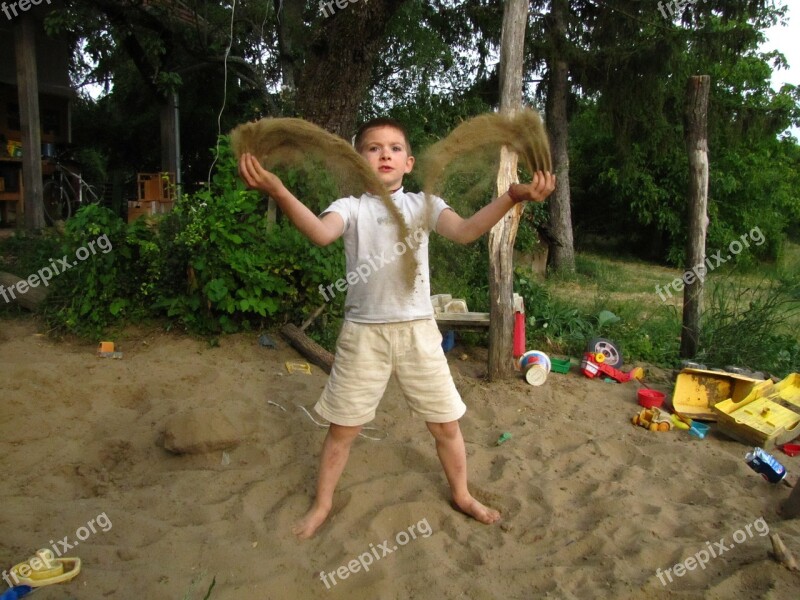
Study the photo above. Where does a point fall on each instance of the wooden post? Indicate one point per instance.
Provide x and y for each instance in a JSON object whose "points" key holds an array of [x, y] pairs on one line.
{"points": [[503, 234], [28, 91], [696, 134]]}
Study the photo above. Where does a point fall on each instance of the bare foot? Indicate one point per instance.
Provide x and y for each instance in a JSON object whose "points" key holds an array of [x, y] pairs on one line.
{"points": [[470, 506], [308, 525]]}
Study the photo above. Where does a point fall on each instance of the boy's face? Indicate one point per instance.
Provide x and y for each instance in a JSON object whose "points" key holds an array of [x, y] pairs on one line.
{"points": [[387, 153]]}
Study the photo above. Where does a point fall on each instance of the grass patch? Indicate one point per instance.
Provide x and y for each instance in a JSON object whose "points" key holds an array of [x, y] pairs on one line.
{"points": [[751, 317]]}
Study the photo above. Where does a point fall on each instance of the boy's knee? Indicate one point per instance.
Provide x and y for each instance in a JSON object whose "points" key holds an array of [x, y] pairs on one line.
{"points": [[443, 431], [343, 433]]}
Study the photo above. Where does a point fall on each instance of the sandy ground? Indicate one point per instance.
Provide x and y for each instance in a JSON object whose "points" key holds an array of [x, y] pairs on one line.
{"points": [[593, 507]]}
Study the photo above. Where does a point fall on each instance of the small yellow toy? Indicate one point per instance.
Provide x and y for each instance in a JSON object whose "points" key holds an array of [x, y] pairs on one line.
{"points": [[45, 569], [298, 365], [656, 419], [653, 419]]}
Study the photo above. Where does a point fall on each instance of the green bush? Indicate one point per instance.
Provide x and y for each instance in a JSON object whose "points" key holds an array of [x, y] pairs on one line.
{"points": [[228, 268], [213, 264], [108, 285]]}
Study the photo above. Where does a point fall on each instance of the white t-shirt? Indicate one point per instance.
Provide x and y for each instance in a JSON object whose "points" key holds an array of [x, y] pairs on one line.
{"points": [[377, 291]]}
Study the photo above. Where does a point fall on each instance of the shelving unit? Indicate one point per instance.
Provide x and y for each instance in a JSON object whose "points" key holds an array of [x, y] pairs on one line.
{"points": [[10, 198]]}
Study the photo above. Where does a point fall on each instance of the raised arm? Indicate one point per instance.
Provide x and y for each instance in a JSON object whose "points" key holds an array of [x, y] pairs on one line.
{"points": [[321, 231], [464, 231]]}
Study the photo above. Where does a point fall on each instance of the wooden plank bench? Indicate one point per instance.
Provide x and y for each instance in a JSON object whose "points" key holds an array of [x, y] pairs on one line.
{"points": [[469, 321]]}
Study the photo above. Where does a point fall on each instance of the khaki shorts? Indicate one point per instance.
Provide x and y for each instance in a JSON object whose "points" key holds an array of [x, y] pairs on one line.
{"points": [[367, 355]]}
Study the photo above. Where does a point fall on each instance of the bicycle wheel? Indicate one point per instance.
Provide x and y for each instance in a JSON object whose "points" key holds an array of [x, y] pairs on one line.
{"points": [[56, 202], [88, 194]]}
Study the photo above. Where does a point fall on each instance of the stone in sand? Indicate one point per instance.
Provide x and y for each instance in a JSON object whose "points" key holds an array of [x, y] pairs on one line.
{"points": [[199, 431]]}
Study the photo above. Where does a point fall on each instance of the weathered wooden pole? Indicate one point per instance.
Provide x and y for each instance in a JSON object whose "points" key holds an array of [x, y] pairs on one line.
{"points": [[28, 93], [503, 234], [696, 135]]}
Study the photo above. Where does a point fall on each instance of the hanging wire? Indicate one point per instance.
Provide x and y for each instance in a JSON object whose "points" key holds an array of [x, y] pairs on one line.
{"points": [[224, 93]]}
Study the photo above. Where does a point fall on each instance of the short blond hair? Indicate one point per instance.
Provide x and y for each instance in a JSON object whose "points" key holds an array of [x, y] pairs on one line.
{"points": [[380, 122]]}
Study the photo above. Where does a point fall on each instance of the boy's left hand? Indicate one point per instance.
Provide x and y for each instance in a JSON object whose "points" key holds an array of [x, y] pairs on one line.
{"points": [[537, 190]]}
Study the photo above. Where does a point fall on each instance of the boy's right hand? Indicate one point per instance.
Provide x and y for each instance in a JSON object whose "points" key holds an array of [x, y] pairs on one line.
{"points": [[257, 177]]}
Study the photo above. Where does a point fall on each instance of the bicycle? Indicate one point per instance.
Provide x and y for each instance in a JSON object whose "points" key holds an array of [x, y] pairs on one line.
{"points": [[65, 190]]}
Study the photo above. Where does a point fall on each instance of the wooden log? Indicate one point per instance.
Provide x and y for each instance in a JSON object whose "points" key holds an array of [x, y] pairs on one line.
{"points": [[310, 349], [30, 298]]}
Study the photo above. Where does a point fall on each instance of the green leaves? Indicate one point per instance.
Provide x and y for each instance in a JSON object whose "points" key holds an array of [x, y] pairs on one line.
{"points": [[606, 317], [213, 264], [243, 269]]}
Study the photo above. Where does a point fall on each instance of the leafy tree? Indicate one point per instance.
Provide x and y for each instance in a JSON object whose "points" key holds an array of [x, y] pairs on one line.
{"points": [[628, 68]]}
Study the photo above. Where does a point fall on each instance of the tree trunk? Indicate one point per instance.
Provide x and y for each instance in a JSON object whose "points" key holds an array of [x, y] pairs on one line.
{"points": [[562, 251], [503, 234], [28, 91], [170, 137], [291, 35], [696, 133], [339, 62]]}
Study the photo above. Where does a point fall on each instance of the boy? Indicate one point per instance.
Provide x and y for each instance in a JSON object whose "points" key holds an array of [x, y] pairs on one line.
{"points": [[389, 328]]}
